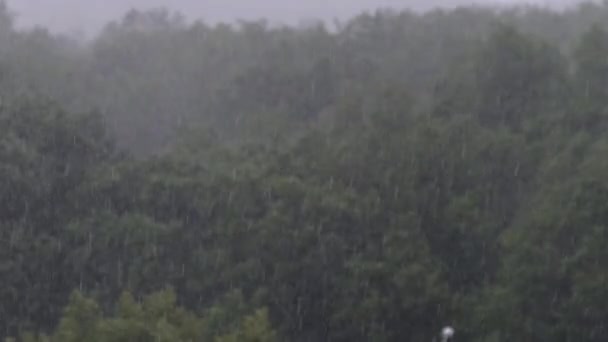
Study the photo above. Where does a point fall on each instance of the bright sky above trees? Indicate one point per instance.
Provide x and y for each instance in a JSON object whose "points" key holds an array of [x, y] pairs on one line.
{"points": [[68, 15]]}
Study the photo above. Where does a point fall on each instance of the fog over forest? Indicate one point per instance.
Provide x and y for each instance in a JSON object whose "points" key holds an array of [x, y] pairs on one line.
{"points": [[89, 16], [400, 176]]}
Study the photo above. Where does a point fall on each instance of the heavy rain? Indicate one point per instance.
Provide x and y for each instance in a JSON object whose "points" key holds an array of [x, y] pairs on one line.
{"points": [[306, 171]]}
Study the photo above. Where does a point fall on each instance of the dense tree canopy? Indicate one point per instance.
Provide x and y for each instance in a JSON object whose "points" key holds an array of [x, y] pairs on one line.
{"points": [[372, 181]]}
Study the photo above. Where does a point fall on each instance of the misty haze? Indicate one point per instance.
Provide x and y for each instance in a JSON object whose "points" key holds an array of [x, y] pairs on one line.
{"points": [[89, 16], [188, 172]]}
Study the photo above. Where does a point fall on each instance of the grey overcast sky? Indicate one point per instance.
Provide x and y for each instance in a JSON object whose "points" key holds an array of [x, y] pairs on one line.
{"points": [[88, 15]]}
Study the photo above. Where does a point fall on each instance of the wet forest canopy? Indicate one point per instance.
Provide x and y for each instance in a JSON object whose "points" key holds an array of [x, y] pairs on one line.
{"points": [[372, 180]]}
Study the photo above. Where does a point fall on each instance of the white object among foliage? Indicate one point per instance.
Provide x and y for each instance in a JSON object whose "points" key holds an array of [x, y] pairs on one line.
{"points": [[447, 333]]}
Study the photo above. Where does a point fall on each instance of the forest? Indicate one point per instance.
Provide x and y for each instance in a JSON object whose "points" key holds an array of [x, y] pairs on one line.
{"points": [[374, 179]]}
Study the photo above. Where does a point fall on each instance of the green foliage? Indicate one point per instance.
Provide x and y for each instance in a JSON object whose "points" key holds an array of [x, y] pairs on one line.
{"points": [[156, 318], [591, 68], [254, 328], [517, 76], [369, 183], [80, 320]]}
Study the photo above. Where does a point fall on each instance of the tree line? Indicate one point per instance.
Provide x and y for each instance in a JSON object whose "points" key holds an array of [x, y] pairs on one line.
{"points": [[375, 181]]}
